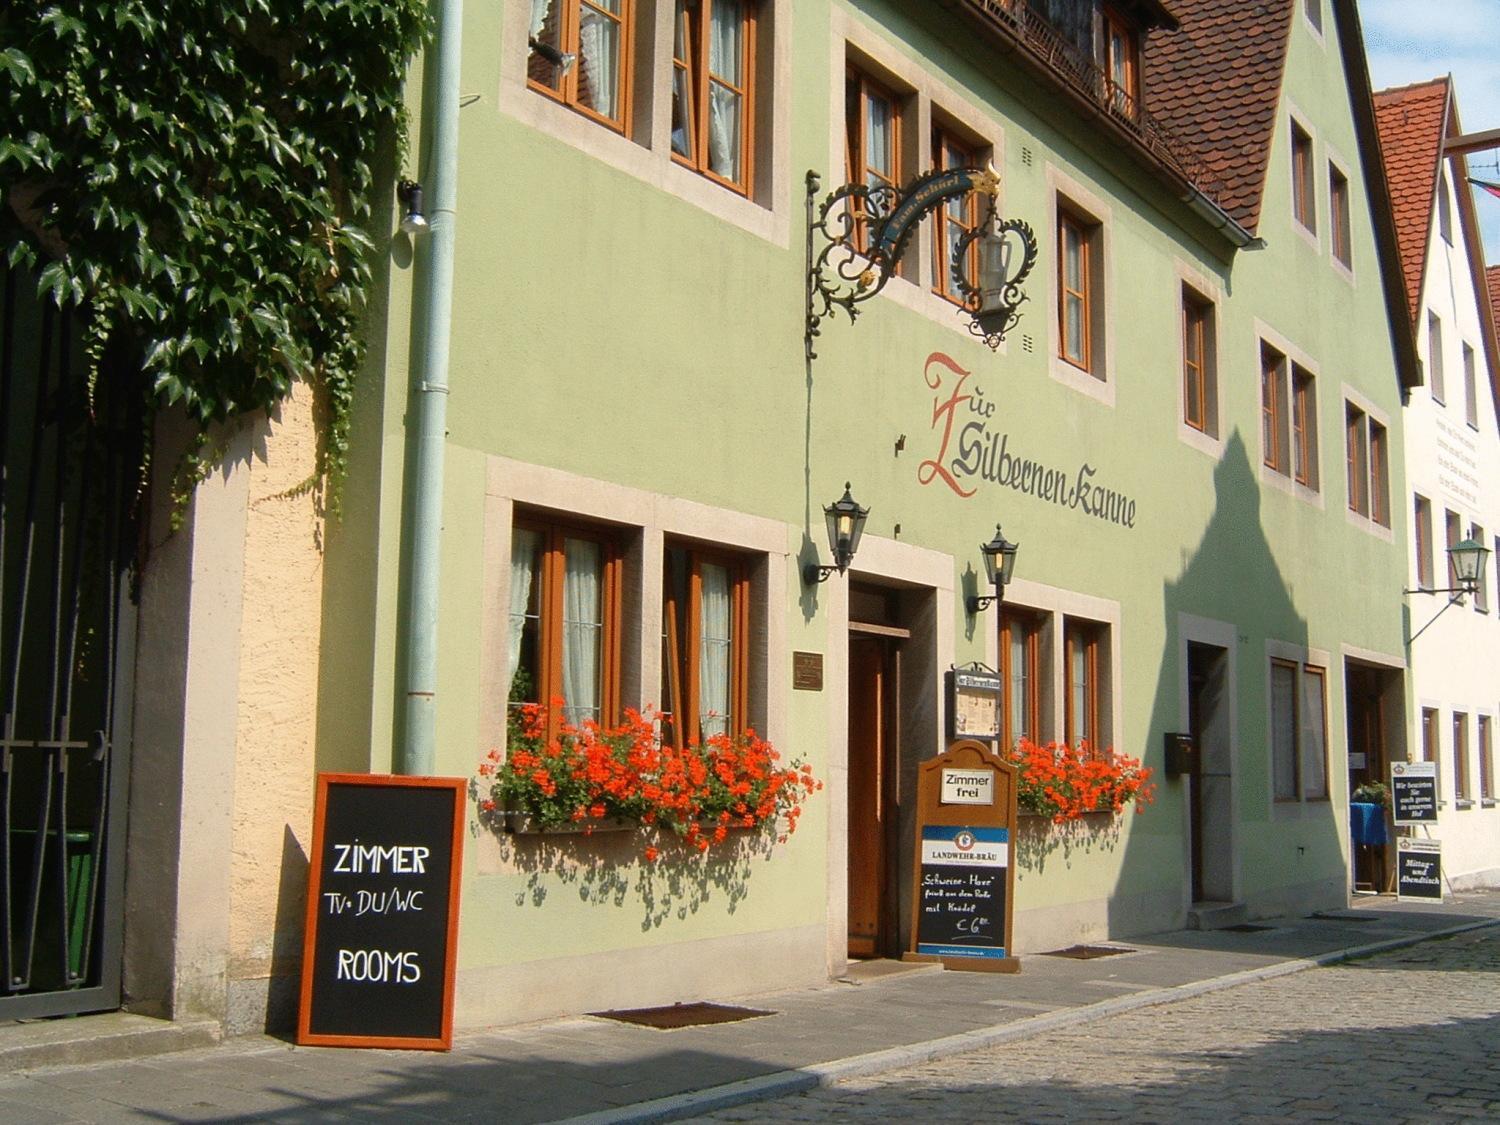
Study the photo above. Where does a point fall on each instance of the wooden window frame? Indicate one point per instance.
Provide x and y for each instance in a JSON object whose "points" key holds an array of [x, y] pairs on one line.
{"points": [[567, 91], [1076, 632], [859, 89], [1357, 460], [1197, 319], [1273, 429], [1031, 625], [1380, 472], [680, 663], [1123, 91], [1453, 530], [945, 140], [1340, 227], [701, 79], [1304, 201], [1304, 427], [1087, 232], [550, 572], [1295, 668], [1461, 780], [1422, 523]]}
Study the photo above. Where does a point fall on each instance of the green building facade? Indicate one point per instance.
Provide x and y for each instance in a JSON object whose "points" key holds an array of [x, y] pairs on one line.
{"points": [[1188, 432]]}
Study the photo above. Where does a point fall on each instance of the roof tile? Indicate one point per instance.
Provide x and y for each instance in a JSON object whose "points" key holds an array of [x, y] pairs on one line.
{"points": [[1412, 120]]}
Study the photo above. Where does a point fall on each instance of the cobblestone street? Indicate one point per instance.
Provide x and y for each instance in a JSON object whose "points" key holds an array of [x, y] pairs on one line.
{"points": [[1412, 1035]]}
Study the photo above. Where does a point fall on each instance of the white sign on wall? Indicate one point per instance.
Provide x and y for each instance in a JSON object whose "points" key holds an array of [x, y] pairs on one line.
{"points": [[968, 787]]}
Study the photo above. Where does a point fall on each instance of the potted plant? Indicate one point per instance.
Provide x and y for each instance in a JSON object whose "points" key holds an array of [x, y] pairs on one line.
{"points": [[1371, 793]]}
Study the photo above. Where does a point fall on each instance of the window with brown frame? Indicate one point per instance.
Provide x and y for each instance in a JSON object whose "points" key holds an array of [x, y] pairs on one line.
{"points": [[1078, 245], [954, 219], [1422, 520], [713, 89], [705, 645], [599, 34], [1461, 792], [1299, 731], [872, 120], [1273, 419], [1367, 458], [1021, 675], [1081, 670], [1430, 741], [1199, 374], [1454, 529], [1121, 62], [565, 620], [1304, 428], [1338, 215], [1302, 178]]}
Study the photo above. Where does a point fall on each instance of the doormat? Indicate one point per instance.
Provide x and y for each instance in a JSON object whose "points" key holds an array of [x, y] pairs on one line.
{"points": [[683, 1015], [1343, 916], [1088, 952], [1246, 928]]}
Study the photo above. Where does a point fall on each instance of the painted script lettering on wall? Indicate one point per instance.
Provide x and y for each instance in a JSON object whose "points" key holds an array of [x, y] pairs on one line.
{"points": [[972, 448]]}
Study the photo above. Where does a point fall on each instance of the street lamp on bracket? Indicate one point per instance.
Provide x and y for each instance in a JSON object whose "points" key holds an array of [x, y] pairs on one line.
{"points": [[844, 269], [1467, 560]]}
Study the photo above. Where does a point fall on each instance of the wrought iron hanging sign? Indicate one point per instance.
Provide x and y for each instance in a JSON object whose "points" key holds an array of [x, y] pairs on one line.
{"points": [[865, 230]]}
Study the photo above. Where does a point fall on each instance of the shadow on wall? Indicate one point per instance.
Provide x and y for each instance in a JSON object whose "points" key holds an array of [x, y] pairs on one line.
{"points": [[1233, 582], [609, 868]]}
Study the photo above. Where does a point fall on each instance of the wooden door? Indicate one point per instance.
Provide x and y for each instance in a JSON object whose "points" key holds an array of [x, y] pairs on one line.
{"points": [[872, 683]]}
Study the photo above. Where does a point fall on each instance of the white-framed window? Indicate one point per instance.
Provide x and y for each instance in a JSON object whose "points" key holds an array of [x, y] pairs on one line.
{"points": [[1435, 357], [1471, 389]]}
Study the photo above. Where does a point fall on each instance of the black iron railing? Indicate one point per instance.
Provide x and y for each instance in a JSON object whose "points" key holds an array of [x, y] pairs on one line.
{"points": [[1083, 74]]}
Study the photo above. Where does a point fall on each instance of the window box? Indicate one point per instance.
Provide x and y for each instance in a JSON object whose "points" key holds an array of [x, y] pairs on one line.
{"points": [[524, 824]]}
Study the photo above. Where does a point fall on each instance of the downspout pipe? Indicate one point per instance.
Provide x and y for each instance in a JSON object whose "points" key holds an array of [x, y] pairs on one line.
{"points": [[429, 408]]}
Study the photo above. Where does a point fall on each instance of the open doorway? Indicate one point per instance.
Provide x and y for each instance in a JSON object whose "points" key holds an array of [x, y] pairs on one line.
{"points": [[1210, 788], [1376, 725]]}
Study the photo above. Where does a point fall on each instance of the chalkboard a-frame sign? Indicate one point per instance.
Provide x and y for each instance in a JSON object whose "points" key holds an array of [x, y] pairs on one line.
{"points": [[378, 953], [964, 899]]}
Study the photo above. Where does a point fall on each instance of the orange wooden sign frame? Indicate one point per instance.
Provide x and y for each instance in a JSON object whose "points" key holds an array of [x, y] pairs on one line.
{"points": [[305, 1035]]}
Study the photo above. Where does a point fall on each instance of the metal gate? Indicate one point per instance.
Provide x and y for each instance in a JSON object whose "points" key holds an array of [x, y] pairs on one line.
{"points": [[69, 465]]}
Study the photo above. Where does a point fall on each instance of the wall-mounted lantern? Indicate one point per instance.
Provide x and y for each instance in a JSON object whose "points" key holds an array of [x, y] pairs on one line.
{"points": [[1466, 562], [846, 523], [999, 563]]}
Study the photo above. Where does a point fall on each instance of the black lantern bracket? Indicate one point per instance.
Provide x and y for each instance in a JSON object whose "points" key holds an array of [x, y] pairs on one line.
{"points": [[999, 564], [858, 234]]}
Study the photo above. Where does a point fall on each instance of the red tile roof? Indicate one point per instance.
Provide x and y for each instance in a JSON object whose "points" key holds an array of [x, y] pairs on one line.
{"points": [[1413, 121], [1217, 82]]}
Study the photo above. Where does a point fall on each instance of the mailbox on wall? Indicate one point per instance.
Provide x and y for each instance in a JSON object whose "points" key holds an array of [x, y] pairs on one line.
{"points": [[1181, 753]]}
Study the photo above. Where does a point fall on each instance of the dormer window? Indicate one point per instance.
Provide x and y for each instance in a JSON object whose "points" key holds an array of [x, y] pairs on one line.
{"points": [[1121, 63]]}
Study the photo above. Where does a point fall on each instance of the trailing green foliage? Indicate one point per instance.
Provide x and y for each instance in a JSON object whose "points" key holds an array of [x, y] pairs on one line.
{"points": [[195, 173]]}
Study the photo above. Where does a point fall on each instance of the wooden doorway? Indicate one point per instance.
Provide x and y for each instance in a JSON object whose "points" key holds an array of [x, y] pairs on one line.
{"points": [[1367, 697], [1210, 784], [873, 812]]}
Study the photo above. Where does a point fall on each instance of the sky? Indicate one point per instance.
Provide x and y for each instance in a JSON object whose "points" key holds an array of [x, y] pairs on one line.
{"points": [[1411, 42]]}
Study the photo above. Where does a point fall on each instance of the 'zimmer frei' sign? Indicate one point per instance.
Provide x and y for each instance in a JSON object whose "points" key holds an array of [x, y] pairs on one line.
{"points": [[972, 448]]}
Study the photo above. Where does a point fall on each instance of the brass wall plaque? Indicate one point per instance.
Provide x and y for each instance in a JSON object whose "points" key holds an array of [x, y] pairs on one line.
{"points": [[807, 671]]}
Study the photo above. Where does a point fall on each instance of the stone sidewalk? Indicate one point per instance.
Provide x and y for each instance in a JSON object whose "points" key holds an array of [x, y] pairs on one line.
{"points": [[882, 1017]]}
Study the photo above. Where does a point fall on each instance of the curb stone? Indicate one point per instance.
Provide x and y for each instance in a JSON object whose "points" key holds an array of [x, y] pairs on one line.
{"points": [[785, 1082]]}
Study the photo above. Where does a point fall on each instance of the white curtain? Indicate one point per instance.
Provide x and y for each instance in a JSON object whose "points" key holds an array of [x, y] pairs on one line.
{"points": [[523, 552], [1314, 763], [598, 50], [1284, 731], [713, 652], [582, 629], [1018, 685], [539, 11], [725, 61]]}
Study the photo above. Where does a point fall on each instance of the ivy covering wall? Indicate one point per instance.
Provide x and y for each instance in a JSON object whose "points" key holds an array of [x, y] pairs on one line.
{"points": [[197, 175]]}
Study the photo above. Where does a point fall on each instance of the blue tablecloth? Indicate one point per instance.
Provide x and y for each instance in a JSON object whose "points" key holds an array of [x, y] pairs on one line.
{"points": [[1367, 823]]}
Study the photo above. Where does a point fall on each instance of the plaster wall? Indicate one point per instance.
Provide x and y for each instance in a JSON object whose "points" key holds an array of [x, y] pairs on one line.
{"points": [[1454, 462]]}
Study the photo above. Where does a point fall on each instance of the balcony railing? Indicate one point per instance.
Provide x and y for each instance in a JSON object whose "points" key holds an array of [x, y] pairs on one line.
{"points": [[1086, 77]]}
